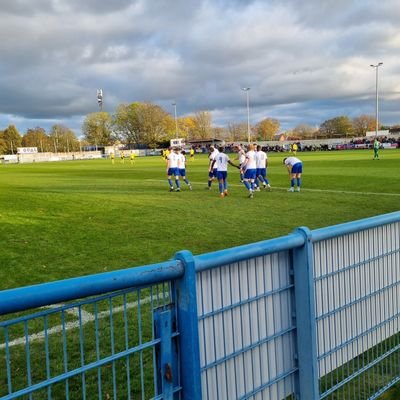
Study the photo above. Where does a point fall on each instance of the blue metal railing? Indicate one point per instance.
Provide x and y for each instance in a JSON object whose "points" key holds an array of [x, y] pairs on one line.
{"points": [[85, 346], [93, 341], [246, 325], [357, 286], [312, 315]]}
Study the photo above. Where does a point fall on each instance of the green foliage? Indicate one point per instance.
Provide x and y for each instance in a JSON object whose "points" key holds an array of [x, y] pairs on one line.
{"points": [[336, 127], [126, 123], [12, 139], [3, 144], [143, 123], [37, 137], [97, 129], [63, 139]]}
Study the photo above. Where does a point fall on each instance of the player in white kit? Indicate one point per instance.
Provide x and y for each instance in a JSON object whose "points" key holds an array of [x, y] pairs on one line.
{"points": [[262, 163], [295, 169], [173, 170], [221, 162], [212, 170], [182, 167], [249, 168]]}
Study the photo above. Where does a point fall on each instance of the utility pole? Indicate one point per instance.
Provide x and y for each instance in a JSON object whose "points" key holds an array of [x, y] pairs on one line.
{"points": [[376, 97]]}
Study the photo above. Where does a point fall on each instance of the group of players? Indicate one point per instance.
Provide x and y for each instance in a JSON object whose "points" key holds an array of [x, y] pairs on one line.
{"points": [[253, 165], [176, 168]]}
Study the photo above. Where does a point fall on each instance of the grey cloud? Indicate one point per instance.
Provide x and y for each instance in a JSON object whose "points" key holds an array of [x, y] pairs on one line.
{"points": [[29, 7], [302, 62], [24, 7]]}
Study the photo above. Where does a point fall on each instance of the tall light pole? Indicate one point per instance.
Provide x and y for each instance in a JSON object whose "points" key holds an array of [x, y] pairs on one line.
{"points": [[246, 89], [176, 121], [376, 96], [100, 98], [100, 103]]}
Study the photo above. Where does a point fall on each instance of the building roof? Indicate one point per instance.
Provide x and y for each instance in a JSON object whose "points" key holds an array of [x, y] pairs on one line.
{"points": [[205, 141]]}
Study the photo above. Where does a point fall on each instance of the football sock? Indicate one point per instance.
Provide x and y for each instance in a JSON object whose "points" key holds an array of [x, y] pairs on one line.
{"points": [[298, 182], [292, 182], [170, 183], [177, 183]]}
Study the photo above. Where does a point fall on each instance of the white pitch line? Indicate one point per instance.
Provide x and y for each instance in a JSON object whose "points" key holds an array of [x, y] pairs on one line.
{"points": [[302, 189], [86, 317]]}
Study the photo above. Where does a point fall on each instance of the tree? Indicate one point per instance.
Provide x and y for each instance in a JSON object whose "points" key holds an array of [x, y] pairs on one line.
{"points": [[3, 144], [219, 133], [97, 129], [202, 125], [305, 131], [186, 127], [336, 127], [267, 129], [12, 139], [126, 123], [63, 139], [152, 119], [143, 123], [237, 132], [363, 124], [37, 137]]}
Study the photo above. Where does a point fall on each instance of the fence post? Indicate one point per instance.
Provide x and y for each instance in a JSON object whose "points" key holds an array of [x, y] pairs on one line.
{"points": [[308, 384], [186, 301], [165, 361]]}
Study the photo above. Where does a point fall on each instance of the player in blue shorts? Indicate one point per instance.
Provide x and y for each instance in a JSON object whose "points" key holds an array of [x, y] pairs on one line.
{"points": [[212, 168], [173, 170], [262, 163], [295, 169], [241, 156], [249, 168], [182, 167], [221, 162]]}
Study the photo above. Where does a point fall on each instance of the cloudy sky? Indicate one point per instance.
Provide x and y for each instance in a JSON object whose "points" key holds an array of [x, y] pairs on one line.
{"points": [[305, 61]]}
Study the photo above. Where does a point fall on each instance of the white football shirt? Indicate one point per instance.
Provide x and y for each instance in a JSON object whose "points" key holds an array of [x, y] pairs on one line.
{"points": [[251, 160], [291, 161], [222, 162], [261, 159]]}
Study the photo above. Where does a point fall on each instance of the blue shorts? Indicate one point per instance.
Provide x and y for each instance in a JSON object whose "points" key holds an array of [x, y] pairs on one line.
{"points": [[221, 175], [261, 172], [182, 172], [297, 168], [173, 171], [213, 173], [250, 174]]}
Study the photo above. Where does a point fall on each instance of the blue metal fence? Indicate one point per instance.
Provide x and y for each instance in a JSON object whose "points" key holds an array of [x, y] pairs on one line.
{"points": [[246, 324], [357, 290], [101, 347], [312, 315]]}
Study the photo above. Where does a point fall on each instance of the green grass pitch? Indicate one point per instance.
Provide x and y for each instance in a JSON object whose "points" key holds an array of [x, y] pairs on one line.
{"points": [[66, 219]]}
